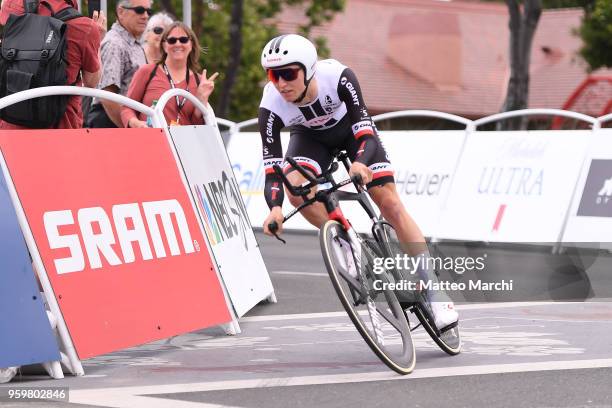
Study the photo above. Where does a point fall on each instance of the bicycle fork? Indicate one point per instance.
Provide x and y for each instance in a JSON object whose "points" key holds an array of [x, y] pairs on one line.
{"points": [[353, 256]]}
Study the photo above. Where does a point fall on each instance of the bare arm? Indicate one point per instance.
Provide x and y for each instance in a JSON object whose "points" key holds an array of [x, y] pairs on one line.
{"points": [[113, 110]]}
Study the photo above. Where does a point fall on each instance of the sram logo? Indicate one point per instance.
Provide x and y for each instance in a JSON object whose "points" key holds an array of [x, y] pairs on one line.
{"points": [[96, 231]]}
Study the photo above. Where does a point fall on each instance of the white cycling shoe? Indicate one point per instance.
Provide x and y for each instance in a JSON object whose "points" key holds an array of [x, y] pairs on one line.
{"points": [[444, 314]]}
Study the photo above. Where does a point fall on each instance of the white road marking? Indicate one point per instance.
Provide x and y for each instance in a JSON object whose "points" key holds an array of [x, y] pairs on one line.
{"points": [[131, 397], [477, 306], [300, 273]]}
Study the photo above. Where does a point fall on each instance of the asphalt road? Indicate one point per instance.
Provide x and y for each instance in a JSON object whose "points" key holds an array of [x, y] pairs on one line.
{"points": [[547, 343]]}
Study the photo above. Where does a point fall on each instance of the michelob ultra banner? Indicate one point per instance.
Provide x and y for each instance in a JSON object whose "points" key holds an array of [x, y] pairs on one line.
{"points": [[223, 214], [514, 186], [25, 333], [117, 234]]}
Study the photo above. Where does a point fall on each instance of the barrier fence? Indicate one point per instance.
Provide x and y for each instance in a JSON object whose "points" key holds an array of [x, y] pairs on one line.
{"points": [[105, 213], [520, 186], [118, 238]]}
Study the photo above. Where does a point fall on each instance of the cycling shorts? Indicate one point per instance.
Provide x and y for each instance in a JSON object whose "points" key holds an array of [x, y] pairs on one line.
{"points": [[314, 150]]}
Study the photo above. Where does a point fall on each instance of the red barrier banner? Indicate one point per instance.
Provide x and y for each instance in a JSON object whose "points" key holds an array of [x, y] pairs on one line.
{"points": [[117, 235]]}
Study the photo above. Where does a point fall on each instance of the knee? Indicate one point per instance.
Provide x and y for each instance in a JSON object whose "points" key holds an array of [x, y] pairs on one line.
{"points": [[392, 208]]}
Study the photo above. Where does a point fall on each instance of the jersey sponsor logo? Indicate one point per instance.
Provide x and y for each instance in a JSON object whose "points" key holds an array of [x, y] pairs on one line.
{"points": [[308, 163], [270, 127], [348, 85], [362, 126], [96, 233], [266, 151], [224, 213], [295, 120], [380, 167], [319, 121], [273, 161]]}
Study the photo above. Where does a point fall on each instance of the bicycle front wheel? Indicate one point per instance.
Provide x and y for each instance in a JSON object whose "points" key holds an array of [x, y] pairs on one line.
{"points": [[375, 311]]}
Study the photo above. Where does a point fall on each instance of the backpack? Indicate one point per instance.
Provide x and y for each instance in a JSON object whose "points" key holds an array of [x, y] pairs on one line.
{"points": [[32, 55]]}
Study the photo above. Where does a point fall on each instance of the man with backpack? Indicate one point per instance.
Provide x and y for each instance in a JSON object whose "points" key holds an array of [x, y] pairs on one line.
{"points": [[69, 55]]}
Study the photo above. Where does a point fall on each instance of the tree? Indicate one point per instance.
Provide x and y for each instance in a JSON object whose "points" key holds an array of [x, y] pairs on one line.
{"points": [[233, 33], [596, 32], [522, 24]]}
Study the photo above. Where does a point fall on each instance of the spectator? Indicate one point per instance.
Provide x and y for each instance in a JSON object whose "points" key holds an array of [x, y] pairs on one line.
{"points": [[155, 27], [122, 54], [178, 68], [82, 53]]}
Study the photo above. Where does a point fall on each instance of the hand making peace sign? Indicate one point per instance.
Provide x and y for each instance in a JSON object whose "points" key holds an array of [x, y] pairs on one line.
{"points": [[206, 87]]}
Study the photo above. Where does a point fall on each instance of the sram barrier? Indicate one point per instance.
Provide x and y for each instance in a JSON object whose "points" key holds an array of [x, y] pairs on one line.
{"points": [[590, 218], [25, 333], [514, 186], [117, 235], [223, 214]]}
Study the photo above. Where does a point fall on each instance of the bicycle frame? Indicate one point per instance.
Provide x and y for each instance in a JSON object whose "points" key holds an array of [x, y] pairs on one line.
{"points": [[332, 196], [329, 197]]}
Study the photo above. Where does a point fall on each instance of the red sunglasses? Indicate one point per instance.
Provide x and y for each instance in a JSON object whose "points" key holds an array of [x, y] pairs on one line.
{"points": [[288, 74]]}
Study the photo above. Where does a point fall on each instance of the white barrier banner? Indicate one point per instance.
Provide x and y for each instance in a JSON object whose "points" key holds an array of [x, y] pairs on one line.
{"points": [[424, 163], [514, 186], [223, 214], [244, 151], [591, 213]]}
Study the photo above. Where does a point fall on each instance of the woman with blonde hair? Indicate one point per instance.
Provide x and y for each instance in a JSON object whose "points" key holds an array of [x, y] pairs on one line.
{"points": [[178, 68], [155, 27]]}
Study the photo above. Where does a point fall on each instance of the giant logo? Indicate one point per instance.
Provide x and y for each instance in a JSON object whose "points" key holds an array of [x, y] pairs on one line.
{"points": [[96, 231], [224, 213]]}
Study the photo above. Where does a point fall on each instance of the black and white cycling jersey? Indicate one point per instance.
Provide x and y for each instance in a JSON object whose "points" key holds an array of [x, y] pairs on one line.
{"points": [[338, 96]]}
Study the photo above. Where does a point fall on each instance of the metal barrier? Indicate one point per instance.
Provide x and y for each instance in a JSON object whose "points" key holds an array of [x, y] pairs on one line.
{"points": [[70, 359], [469, 124]]}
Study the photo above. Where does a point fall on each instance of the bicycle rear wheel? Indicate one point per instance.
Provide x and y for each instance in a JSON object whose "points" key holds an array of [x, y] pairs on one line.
{"points": [[376, 313], [449, 340]]}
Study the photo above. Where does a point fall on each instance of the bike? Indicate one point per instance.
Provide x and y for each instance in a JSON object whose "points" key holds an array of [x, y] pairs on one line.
{"points": [[364, 290]]}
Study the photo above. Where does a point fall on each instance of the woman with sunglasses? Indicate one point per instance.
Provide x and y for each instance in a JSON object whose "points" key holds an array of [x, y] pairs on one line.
{"points": [[177, 68], [155, 27], [321, 103]]}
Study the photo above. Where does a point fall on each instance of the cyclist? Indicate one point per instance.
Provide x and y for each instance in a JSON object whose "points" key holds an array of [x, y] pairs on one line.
{"points": [[321, 103]]}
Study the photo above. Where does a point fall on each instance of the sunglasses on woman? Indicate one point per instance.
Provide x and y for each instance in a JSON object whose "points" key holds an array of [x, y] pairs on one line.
{"points": [[173, 40], [288, 74], [158, 30], [139, 9]]}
